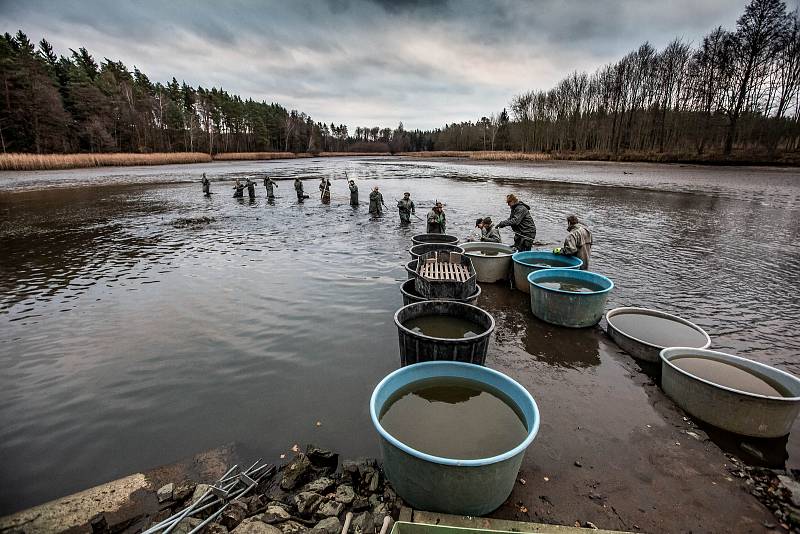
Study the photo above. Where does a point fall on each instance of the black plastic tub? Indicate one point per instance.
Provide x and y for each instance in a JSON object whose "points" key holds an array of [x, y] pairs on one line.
{"points": [[418, 250], [434, 238], [416, 347], [411, 296]]}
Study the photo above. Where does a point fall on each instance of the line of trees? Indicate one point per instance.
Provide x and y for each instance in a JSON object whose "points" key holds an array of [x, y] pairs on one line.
{"points": [[735, 90]]}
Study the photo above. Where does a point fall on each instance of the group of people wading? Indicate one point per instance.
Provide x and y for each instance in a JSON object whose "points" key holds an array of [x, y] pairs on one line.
{"points": [[577, 243]]}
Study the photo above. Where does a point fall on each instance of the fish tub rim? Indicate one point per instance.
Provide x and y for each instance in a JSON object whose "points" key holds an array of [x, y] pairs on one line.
{"points": [[658, 313], [498, 255], [441, 460], [405, 292], [555, 271], [448, 242], [486, 332], [516, 257], [415, 256], [671, 352]]}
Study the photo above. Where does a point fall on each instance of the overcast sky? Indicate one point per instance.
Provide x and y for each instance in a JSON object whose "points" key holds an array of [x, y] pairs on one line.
{"points": [[362, 62]]}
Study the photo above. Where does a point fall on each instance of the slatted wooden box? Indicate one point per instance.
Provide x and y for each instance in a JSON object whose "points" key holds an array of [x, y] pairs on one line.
{"points": [[445, 275]]}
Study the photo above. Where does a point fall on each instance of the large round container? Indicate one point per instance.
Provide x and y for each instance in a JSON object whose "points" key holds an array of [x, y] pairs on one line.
{"points": [[462, 487], [411, 269], [643, 349], [737, 411], [416, 347], [527, 262], [568, 308], [411, 296], [434, 238], [490, 269], [418, 250]]}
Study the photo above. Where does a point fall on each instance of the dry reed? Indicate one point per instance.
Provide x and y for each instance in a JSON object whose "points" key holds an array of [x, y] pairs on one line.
{"points": [[510, 156], [438, 154], [37, 162], [231, 156]]}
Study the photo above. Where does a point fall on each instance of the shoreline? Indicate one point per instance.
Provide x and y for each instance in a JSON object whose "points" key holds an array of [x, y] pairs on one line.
{"points": [[45, 162]]}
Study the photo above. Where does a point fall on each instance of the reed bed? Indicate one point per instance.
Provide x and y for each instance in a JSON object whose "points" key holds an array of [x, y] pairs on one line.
{"points": [[509, 156], [438, 154], [232, 156], [39, 162]]}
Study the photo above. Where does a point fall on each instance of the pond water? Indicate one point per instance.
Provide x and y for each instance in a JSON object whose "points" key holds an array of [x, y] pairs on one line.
{"points": [[141, 322]]}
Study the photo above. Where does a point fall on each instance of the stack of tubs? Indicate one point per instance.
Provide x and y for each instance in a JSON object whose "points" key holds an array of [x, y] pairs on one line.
{"points": [[455, 485]]}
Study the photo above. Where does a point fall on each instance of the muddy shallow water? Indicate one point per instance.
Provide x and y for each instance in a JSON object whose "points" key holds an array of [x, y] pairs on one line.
{"points": [[141, 322]]}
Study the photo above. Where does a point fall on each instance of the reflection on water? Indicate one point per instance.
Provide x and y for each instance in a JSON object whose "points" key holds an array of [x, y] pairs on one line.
{"points": [[141, 323]]}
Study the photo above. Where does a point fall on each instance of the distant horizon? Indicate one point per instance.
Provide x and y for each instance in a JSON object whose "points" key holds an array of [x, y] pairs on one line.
{"points": [[367, 63]]}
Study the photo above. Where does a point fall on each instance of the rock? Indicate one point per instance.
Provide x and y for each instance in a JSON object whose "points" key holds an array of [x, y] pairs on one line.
{"points": [[291, 527], [389, 495], [254, 503], [321, 485], [233, 515], [165, 492], [323, 459], [578, 463], [371, 480], [363, 524], [406, 514], [296, 472], [215, 528], [307, 502], [374, 500], [253, 525], [360, 503], [331, 509], [186, 525], [199, 490], [276, 494], [275, 514], [99, 524], [793, 487], [379, 512], [329, 525], [345, 494], [183, 491]]}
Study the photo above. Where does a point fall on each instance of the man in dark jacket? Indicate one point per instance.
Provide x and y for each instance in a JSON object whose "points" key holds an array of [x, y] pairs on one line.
{"points": [[206, 186], [269, 183], [251, 188], [353, 193], [521, 223], [298, 187]]}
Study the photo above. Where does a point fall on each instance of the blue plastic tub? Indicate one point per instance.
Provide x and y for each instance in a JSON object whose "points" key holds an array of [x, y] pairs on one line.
{"points": [[463, 487], [568, 308], [527, 262]]}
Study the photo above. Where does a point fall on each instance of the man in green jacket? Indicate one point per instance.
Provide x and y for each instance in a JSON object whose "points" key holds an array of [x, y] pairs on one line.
{"points": [[353, 193], [489, 231], [269, 183], [521, 223], [298, 187], [437, 221], [406, 208], [376, 203], [578, 242]]}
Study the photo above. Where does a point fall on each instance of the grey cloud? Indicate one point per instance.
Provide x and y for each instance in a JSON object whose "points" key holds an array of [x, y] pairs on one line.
{"points": [[367, 61]]}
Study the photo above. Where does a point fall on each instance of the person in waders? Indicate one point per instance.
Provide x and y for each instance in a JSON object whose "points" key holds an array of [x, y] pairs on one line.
{"points": [[406, 208], [238, 189], [376, 203], [298, 187], [269, 183], [353, 193], [206, 186], [489, 231], [521, 223], [251, 188], [578, 242], [437, 221], [325, 191]]}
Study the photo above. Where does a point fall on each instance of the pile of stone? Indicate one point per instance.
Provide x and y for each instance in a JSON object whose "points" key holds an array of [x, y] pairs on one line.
{"points": [[308, 495], [777, 489]]}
